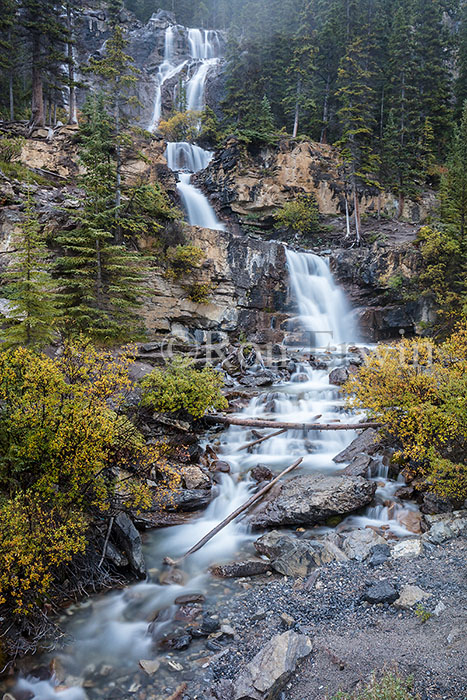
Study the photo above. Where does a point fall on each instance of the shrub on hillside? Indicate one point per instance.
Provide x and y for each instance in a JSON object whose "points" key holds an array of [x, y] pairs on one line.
{"points": [[182, 387], [182, 126], [183, 259], [418, 390], [300, 215], [390, 687]]}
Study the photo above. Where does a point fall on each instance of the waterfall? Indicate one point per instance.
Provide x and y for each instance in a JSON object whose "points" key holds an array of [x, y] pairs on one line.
{"points": [[204, 49], [323, 308], [186, 159]]}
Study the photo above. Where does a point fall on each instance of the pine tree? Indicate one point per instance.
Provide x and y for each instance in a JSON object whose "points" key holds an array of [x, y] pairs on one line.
{"points": [[119, 75], [32, 312], [100, 281], [356, 97], [461, 63], [454, 186]]}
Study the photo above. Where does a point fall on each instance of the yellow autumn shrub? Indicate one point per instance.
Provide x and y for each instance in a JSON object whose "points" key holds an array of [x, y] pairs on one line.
{"points": [[418, 390]]}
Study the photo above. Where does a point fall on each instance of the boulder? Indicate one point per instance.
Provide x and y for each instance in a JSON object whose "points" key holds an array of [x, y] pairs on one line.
{"points": [[379, 554], [194, 478], [434, 504], [360, 543], [361, 465], [271, 668], [261, 473], [407, 548], [312, 498], [445, 526], [129, 539], [366, 442], [296, 557], [252, 567], [381, 592], [339, 376], [410, 596]]}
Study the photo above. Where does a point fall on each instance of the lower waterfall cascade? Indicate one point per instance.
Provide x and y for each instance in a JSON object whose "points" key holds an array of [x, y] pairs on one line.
{"points": [[112, 630]]}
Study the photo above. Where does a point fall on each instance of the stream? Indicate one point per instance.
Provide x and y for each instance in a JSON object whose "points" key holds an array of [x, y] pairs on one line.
{"points": [[110, 633]]}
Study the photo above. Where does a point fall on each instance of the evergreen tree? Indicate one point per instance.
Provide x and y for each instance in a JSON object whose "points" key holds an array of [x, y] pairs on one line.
{"points": [[356, 97], [100, 281], [119, 75], [454, 186], [461, 63], [30, 290]]}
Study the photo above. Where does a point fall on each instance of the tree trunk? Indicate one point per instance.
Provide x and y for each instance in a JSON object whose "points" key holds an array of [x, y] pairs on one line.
{"points": [[400, 208], [347, 218], [258, 423], [12, 100], [118, 190], [37, 103], [324, 129], [357, 214], [297, 108], [99, 275]]}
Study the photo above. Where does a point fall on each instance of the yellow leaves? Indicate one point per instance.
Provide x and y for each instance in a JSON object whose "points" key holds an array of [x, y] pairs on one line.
{"points": [[419, 391], [34, 541]]}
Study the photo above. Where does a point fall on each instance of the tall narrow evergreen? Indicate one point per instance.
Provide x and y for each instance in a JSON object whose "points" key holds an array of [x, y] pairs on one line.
{"points": [[100, 281], [454, 186], [30, 290]]}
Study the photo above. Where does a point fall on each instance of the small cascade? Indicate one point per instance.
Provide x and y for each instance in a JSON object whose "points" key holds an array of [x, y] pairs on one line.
{"points": [[323, 308], [167, 70], [187, 159]]}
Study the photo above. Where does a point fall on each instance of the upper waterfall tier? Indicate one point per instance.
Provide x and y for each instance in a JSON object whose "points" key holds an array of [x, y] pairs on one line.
{"points": [[190, 54], [323, 308]]}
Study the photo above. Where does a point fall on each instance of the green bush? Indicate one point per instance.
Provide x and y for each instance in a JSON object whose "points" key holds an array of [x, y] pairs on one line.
{"points": [[9, 148], [199, 292], [390, 687], [183, 259], [300, 215], [182, 387]]}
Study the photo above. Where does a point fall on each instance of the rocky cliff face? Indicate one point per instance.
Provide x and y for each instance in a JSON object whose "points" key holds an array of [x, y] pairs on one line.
{"points": [[252, 185]]}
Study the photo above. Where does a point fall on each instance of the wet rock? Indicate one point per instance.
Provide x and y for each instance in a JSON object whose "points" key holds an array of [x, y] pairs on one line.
{"points": [[171, 576], [219, 466], [381, 592], [407, 548], [359, 466], [149, 666], [405, 493], [366, 442], [210, 624], [292, 556], [410, 596], [360, 543], [411, 520], [129, 539], [252, 567], [176, 642], [379, 554], [194, 478], [189, 500], [113, 555], [261, 473], [312, 498], [268, 672], [189, 598], [445, 526], [339, 376]]}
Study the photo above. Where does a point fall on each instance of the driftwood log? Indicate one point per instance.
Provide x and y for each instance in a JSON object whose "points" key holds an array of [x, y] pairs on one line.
{"points": [[258, 423]]}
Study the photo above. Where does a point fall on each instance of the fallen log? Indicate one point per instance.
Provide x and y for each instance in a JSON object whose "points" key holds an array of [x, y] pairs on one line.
{"points": [[233, 515], [258, 423], [262, 439]]}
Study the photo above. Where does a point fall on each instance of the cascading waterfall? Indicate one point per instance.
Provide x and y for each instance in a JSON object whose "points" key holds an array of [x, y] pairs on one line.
{"points": [[167, 70], [116, 631], [186, 159]]}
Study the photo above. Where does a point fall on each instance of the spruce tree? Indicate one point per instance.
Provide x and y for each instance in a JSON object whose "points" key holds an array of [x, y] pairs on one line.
{"points": [[454, 186], [30, 290], [100, 281]]}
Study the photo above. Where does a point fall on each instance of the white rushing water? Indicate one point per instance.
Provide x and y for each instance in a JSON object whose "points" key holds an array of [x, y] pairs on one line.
{"points": [[115, 629], [204, 49], [187, 159]]}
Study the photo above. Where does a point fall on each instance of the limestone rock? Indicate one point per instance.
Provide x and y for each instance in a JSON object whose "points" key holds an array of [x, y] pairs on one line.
{"points": [[366, 442], [410, 596], [445, 526], [149, 666], [268, 672], [312, 498], [194, 478], [407, 548], [360, 543]]}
